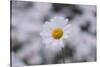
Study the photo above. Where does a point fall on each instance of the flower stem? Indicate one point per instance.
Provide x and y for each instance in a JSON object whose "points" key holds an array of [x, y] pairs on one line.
{"points": [[63, 56]]}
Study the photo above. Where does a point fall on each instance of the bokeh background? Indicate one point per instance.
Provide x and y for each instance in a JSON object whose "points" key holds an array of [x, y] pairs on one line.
{"points": [[27, 19]]}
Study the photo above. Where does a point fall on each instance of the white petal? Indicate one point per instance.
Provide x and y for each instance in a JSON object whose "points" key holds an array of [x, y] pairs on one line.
{"points": [[53, 24], [45, 34], [61, 43], [67, 27], [57, 19], [66, 20], [65, 36], [61, 18], [47, 41], [63, 24], [67, 32], [55, 43], [53, 19], [47, 27]]}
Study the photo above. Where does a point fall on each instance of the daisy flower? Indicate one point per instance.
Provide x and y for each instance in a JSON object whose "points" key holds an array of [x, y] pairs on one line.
{"points": [[55, 31]]}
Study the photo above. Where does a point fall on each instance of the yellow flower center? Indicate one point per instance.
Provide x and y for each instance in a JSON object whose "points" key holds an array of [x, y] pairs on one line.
{"points": [[57, 33]]}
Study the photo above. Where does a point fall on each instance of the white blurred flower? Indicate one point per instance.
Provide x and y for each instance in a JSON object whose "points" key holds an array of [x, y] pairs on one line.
{"points": [[55, 31], [16, 61]]}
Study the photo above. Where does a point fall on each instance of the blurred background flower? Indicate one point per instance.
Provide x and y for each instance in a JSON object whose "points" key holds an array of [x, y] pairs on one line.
{"points": [[27, 19]]}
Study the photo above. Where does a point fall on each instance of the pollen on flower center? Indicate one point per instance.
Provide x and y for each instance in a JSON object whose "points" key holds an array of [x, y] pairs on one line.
{"points": [[57, 33]]}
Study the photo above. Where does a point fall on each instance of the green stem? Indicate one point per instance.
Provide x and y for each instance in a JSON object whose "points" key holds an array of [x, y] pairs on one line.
{"points": [[63, 56]]}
